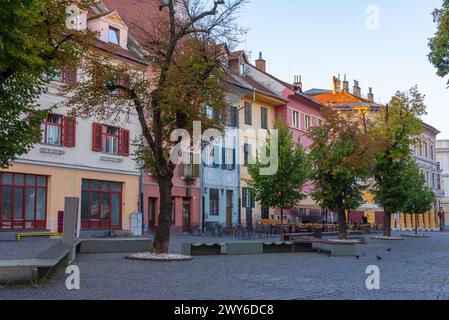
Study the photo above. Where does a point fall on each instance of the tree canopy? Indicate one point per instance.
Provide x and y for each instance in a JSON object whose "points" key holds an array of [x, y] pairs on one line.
{"points": [[284, 188], [439, 44], [35, 42], [396, 127], [342, 156]]}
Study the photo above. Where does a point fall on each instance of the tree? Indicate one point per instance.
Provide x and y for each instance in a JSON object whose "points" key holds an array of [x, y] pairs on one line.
{"points": [[439, 44], [342, 158], [420, 197], [395, 129], [282, 188], [35, 42], [180, 39]]}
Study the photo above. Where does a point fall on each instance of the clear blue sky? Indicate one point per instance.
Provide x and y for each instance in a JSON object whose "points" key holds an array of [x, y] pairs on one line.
{"points": [[321, 38]]}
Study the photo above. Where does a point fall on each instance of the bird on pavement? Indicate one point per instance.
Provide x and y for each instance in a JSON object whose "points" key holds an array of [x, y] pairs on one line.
{"points": [[389, 249], [379, 258]]}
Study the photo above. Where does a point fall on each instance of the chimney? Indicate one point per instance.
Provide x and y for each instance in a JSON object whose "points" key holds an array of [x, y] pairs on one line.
{"points": [[297, 83], [337, 84], [356, 89], [345, 85], [261, 64], [371, 95]]}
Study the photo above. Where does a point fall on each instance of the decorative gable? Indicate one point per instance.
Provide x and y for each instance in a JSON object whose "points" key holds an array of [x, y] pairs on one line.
{"points": [[110, 28]]}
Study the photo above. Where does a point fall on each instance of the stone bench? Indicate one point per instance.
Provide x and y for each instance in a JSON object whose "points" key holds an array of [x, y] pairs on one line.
{"points": [[45, 262], [335, 248], [242, 248], [202, 249], [114, 245], [278, 247]]}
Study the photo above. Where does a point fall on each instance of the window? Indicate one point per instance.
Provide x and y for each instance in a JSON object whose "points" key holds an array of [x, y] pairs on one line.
{"points": [[425, 153], [23, 201], [242, 69], [114, 35], [248, 114], [212, 156], [320, 122], [296, 119], [308, 122], [433, 180], [189, 169], [101, 204], [52, 130], [228, 159], [214, 202], [233, 117], [111, 140], [247, 199], [265, 212], [432, 153], [68, 75], [246, 154], [264, 118], [58, 130]]}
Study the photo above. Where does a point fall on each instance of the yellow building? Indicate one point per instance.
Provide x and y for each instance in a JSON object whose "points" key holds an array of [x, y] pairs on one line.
{"points": [[257, 114]]}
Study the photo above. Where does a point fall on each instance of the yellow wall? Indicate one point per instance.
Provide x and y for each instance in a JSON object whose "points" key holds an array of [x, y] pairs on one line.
{"points": [[259, 102], [64, 182]]}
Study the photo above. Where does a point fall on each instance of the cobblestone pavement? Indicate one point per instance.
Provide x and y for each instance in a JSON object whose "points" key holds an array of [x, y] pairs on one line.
{"points": [[413, 269]]}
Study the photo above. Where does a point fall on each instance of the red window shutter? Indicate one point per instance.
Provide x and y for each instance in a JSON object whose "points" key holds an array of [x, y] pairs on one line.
{"points": [[97, 137], [124, 142], [69, 75], [69, 132]]}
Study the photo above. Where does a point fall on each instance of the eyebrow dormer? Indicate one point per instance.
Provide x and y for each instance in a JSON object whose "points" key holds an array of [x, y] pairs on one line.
{"points": [[110, 28]]}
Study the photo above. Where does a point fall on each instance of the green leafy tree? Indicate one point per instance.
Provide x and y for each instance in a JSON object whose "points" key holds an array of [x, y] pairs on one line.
{"points": [[35, 41], [282, 188], [394, 132], [342, 159], [439, 44], [179, 41], [420, 197]]}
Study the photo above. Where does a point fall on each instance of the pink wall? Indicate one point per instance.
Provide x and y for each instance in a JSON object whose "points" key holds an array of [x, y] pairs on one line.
{"points": [[180, 192], [304, 106]]}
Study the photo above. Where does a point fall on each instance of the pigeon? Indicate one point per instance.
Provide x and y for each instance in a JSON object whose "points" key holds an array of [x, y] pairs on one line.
{"points": [[379, 258], [389, 249], [358, 257]]}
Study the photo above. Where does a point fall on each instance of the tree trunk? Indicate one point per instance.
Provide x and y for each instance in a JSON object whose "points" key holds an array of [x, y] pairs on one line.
{"points": [[342, 225], [416, 224], [162, 237], [282, 216], [387, 224]]}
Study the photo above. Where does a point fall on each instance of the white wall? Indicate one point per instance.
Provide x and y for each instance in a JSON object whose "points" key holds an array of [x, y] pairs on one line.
{"points": [[82, 156]]}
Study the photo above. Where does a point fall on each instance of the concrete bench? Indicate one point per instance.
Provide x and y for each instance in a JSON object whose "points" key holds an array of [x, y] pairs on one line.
{"points": [[335, 249], [114, 245], [202, 249], [278, 247], [45, 262], [242, 248]]}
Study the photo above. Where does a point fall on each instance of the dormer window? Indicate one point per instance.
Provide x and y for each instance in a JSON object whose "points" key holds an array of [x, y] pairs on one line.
{"points": [[114, 35], [242, 69]]}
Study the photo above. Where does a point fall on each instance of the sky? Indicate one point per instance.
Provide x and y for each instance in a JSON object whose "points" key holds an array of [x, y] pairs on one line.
{"points": [[321, 38]]}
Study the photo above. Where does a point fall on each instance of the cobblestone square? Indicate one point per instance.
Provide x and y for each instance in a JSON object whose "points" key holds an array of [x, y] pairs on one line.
{"points": [[412, 269]]}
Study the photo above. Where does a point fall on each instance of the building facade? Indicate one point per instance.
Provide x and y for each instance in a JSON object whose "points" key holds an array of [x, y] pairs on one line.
{"points": [[442, 153], [300, 113], [85, 158]]}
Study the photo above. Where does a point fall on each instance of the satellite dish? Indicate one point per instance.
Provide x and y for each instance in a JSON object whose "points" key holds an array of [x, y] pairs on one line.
{"points": [[73, 13]]}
